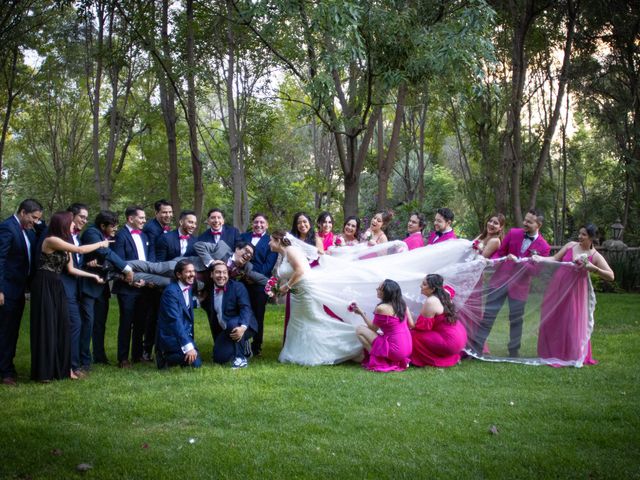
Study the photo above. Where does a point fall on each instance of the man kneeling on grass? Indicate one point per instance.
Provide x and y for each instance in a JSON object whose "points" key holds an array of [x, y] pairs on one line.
{"points": [[175, 344], [230, 318]]}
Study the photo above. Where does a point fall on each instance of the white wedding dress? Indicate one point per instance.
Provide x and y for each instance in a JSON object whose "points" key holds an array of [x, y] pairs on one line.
{"points": [[313, 337]]}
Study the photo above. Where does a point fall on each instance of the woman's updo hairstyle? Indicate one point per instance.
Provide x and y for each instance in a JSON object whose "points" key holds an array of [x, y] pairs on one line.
{"points": [[281, 236]]}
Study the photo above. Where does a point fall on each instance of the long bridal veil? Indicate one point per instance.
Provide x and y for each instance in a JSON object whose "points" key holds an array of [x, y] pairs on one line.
{"points": [[558, 297]]}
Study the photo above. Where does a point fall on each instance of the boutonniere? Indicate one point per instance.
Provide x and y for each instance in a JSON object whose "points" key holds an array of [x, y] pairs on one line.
{"points": [[534, 252]]}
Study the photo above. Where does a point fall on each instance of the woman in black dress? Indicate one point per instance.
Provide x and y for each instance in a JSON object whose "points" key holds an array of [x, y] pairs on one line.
{"points": [[50, 338]]}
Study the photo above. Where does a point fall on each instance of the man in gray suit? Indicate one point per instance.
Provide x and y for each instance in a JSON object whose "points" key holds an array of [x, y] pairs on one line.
{"points": [[238, 262]]}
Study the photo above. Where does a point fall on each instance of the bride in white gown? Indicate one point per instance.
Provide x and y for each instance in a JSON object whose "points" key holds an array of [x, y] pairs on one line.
{"points": [[313, 337]]}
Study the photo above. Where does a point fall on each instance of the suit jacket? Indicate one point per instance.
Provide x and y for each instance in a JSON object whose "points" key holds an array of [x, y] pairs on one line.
{"points": [[236, 308], [263, 259], [125, 248], [92, 234], [415, 240], [433, 238], [175, 320], [229, 235], [154, 231], [512, 244], [14, 258], [208, 252], [168, 246]]}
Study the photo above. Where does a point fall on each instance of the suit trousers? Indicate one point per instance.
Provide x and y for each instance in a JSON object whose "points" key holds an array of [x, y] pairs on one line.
{"points": [[133, 313], [94, 312], [225, 349], [10, 317], [494, 303], [258, 300], [174, 359]]}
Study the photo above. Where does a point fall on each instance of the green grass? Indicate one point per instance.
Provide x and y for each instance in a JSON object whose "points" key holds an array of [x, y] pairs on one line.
{"points": [[286, 421]]}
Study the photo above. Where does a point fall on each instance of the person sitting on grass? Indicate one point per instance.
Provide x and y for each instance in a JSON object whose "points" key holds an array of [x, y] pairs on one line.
{"points": [[230, 318], [175, 342]]}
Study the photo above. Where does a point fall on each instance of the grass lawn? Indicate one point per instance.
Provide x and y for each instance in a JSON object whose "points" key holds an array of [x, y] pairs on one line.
{"points": [[284, 421]]}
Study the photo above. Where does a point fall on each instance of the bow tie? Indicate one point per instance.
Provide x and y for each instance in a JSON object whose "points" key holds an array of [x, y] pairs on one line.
{"points": [[166, 228], [257, 235], [529, 237], [76, 231], [215, 233], [186, 289], [135, 231], [221, 289], [439, 234], [185, 237]]}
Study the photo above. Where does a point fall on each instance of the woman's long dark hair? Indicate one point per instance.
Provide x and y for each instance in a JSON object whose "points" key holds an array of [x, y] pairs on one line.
{"points": [[436, 283], [392, 294], [311, 236], [60, 226]]}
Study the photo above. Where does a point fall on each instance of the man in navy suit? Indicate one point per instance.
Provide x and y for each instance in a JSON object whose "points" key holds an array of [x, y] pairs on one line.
{"points": [[155, 230], [230, 318], [218, 230], [175, 341], [94, 301], [179, 242], [17, 240], [263, 262], [131, 243]]}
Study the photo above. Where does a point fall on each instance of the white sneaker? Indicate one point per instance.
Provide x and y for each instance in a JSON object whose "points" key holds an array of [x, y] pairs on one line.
{"points": [[239, 362]]}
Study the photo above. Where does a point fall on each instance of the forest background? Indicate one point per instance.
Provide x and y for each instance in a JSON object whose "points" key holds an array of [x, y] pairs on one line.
{"points": [[348, 106]]}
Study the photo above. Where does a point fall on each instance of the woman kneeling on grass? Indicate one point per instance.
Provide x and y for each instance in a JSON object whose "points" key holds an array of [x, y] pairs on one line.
{"points": [[389, 351], [438, 338]]}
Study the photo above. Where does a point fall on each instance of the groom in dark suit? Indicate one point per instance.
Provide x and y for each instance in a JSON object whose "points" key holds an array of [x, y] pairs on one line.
{"points": [[178, 242], [17, 263], [230, 318], [263, 262], [175, 341], [131, 243]]}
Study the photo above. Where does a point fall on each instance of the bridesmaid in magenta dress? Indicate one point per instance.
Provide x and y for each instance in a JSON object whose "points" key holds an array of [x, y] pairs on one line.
{"points": [[325, 230], [564, 316], [389, 351], [438, 338], [415, 226]]}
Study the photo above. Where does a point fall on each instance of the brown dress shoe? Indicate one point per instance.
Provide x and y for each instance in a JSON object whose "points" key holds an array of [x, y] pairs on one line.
{"points": [[9, 381], [124, 364]]}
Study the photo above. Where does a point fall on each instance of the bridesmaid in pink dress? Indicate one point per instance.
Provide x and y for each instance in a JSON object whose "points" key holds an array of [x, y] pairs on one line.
{"points": [[389, 351], [564, 316], [325, 230], [438, 338], [350, 232], [415, 226]]}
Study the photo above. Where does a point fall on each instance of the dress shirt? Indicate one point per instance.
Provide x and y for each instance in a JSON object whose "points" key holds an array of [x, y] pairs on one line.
{"points": [[526, 243], [26, 240], [137, 239], [186, 293], [217, 305]]}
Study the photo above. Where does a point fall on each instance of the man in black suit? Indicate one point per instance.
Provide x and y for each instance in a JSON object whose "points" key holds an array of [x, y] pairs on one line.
{"points": [[17, 240], [230, 318], [155, 230], [131, 243], [179, 242], [218, 231], [263, 261], [94, 301]]}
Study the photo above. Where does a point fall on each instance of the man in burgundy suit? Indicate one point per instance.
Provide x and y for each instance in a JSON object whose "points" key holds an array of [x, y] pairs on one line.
{"points": [[442, 230], [518, 243]]}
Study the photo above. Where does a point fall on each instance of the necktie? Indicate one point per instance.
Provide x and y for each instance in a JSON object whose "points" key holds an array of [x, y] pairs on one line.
{"points": [[135, 231], [184, 237]]}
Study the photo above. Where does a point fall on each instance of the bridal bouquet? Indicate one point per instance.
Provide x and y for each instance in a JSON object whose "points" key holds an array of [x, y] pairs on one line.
{"points": [[582, 260], [477, 246], [338, 241], [352, 307], [271, 288]]}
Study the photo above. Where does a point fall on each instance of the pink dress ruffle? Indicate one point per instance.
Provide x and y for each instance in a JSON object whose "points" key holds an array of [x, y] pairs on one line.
{"points": [[436, 342], [390, 352]]}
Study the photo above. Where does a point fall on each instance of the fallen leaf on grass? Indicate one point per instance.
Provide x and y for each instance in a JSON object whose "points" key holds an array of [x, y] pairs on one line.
{"points": [[493, 430], [56, 452], [145, 445], [83, 467]]}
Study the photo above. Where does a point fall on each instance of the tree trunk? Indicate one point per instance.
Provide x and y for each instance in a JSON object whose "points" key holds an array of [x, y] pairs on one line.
{"points": [[196, 164], [167, 104], [7, 113], [562, 85]]}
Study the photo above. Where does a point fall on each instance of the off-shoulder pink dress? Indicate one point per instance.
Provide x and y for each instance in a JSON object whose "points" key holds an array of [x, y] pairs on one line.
{"points": [[436, 342], [390, 351]]}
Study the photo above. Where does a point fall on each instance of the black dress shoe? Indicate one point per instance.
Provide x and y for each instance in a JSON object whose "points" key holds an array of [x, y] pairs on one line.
{"points": [[9, 381]]}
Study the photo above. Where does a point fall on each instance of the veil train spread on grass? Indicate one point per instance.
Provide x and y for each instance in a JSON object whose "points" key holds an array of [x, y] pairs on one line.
{"points": [[558, 309]]}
